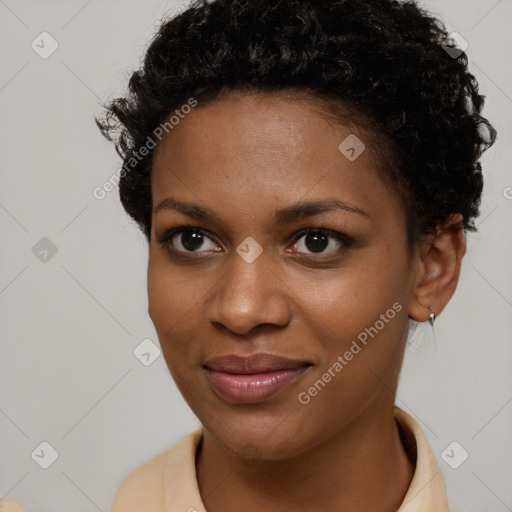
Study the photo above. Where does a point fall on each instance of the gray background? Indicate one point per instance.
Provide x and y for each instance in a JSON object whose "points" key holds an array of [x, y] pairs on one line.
{"points": [[70, 324]]}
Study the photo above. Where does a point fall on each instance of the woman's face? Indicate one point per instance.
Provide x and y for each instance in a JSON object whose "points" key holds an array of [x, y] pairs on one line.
{"points": [[248, 281]]}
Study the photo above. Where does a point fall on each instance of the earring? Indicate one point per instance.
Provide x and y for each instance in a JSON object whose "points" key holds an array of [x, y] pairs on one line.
{"points": [[432, 317]]}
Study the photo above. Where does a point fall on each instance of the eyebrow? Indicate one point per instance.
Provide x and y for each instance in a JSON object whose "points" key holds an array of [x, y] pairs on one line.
{"points": [[283, 216]]}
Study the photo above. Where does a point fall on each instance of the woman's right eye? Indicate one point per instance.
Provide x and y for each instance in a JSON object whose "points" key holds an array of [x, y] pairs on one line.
{"points": [[187, 240]]}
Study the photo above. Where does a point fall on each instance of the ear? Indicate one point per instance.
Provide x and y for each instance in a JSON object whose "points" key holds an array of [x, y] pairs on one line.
{"points": [[439, 261]]}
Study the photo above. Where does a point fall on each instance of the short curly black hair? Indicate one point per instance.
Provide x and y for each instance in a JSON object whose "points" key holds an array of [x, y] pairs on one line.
{"points": [[390, 62]]}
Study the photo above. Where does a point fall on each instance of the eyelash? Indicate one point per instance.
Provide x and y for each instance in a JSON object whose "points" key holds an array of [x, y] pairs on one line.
{"points": [[344, 240]]}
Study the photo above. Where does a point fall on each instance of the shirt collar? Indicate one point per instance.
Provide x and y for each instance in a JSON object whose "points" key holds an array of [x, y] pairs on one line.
{"points": [[426, 491]]}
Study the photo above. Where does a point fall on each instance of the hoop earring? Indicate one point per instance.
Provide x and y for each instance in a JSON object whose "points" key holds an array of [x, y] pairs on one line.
{"points": [[432, 317]]}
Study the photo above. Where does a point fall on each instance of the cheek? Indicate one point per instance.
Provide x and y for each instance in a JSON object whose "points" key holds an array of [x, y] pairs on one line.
{"points": [[362, 360], [170, 294], [353, 299], [173, 306], [365, 331], [360, 316]]}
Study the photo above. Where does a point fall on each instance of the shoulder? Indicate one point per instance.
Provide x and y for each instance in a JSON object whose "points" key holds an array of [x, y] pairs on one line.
{"points": [[145, 485], [8, 505]]}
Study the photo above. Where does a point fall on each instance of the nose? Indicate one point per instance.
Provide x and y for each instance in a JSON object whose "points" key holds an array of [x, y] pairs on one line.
{"points": [[249, 296]]}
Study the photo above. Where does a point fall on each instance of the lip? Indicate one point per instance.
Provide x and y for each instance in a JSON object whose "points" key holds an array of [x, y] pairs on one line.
{"points": [[254, 378]]}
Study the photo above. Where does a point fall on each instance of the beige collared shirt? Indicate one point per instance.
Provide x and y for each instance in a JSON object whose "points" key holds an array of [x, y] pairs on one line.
{"points": [[168, 483]]}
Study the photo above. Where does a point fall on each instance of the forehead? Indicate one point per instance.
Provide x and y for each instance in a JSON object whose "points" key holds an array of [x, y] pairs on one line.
{"points": [[258, 149], [266, 126]]}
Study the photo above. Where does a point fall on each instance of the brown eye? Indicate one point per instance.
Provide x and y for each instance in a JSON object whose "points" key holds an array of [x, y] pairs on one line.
{"points": [[316, 241], [189, 240]]}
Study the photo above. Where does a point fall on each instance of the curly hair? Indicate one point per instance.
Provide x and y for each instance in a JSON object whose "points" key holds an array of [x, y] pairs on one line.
{"points": [[388, 62]]}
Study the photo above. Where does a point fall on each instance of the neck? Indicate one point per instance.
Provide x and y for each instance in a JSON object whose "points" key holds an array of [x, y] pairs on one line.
{"points": [[364, 467]]}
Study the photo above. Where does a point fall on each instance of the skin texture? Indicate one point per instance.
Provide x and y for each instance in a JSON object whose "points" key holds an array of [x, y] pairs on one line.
{"points": [[246, 156]]}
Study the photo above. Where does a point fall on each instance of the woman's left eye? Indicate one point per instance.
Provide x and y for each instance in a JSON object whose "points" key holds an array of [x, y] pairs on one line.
{"points": [[317, 240]]}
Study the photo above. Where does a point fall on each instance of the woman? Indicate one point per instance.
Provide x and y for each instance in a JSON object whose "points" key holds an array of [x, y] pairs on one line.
{"points": [[304, 173]]}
